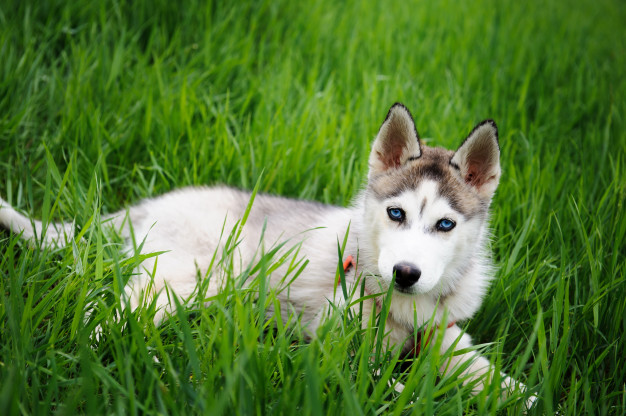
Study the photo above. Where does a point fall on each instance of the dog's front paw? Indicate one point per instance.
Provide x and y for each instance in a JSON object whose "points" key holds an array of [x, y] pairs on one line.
{"points": [[530, 402], [509, 385]]}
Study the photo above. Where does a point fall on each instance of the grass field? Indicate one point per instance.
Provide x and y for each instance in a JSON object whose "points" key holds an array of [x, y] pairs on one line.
{"points": [[105, 103]]}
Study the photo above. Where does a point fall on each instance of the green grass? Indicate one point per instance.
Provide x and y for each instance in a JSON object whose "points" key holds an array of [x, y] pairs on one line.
{"points": [[105, 103]]}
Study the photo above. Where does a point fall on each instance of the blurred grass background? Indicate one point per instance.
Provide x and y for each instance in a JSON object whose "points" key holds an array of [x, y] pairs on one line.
{"points": [[104, 103]]}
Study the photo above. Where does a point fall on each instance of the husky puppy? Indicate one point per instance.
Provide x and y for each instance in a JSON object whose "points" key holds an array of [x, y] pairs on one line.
{"points": [[417, 230]]}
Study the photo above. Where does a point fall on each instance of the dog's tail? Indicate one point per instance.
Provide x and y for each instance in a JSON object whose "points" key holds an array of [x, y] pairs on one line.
{"points": [[51, 235]]}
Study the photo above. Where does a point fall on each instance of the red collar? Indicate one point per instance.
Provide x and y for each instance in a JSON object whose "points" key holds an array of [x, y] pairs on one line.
{"points": [[414, 352]]}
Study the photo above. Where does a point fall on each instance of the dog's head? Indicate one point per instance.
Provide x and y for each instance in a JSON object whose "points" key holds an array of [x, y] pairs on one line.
{"points": [[425, 208]]}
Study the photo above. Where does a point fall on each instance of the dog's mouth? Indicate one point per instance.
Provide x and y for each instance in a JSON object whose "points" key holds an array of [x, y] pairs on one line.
{"points": [[403, 290], [381, 286]]}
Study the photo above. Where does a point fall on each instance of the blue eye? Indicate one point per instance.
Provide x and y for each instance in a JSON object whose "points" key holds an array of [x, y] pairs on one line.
{"points": [[445, 224], [395, 214]]}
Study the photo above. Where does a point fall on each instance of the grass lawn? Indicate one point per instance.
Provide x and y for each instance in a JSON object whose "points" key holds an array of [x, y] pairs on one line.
{"points": [[103, 103]]}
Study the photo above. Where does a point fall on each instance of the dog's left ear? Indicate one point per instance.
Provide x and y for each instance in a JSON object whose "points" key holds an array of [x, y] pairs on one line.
{"points": [[396, 143], [478, 159]]}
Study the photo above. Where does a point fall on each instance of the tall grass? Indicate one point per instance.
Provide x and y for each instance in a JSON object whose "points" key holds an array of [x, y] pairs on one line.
{"points": [[105, 103]]}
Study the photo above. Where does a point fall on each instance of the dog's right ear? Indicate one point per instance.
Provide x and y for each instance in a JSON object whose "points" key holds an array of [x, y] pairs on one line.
{"points": [[397, 141]]}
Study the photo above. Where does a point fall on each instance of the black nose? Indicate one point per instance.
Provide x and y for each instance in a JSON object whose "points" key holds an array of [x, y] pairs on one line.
{"points": [[406, 274]]}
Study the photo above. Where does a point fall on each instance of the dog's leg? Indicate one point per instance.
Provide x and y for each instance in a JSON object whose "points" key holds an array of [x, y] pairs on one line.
{"points": [[142, 290], [479, 367]]}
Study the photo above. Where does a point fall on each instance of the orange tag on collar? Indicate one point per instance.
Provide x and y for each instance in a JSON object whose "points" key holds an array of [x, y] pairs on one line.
{"points": [[348, 263]]}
